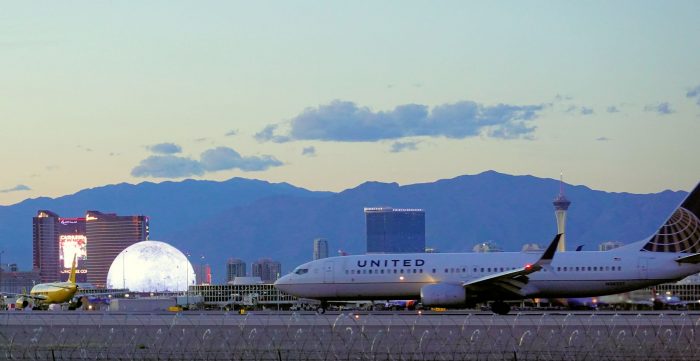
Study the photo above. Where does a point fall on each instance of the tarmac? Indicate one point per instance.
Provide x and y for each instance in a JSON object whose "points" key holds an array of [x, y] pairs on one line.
{"points": [[401, 335]]}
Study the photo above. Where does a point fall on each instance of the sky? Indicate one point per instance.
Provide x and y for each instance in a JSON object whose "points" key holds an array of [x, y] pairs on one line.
{"points": [[327, 95]]}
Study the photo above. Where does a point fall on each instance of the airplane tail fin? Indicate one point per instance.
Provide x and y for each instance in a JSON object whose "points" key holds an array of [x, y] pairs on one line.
{"points": [[681, 232], [71, 278]]}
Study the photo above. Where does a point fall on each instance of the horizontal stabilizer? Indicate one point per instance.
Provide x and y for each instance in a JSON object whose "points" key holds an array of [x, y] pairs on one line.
{"points": [[693, 258]]}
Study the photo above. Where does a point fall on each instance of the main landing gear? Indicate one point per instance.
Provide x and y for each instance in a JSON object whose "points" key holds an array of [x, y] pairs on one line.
{"points": [[322, 308], [500, 308]]}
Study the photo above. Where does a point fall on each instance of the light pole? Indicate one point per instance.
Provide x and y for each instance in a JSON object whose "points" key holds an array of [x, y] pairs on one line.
{"points": [[1, 252], [201, 270], [124, 269], [187, 279]]}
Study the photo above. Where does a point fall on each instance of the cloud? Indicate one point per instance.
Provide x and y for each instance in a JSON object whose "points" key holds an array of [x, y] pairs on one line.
{"points": [[661, 108], [231, 133], [212, 160], [345, 121], [167, 166], [17, 188], [694, 94], [309, 151], [165, 148], [612, 109], [398, 147], [223, 158], [602, 139], [586, 111], [267, 135]]}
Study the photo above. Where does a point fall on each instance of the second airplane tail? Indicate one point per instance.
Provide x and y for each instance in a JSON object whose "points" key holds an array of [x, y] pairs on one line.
{"points": [[681, 232]]}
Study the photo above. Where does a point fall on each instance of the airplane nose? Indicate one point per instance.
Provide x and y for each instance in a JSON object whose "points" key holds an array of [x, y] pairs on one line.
{"points": [[282, 283]]}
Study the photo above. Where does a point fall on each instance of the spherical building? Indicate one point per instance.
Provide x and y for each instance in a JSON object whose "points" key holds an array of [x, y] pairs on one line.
{"points": [[151, 266]]}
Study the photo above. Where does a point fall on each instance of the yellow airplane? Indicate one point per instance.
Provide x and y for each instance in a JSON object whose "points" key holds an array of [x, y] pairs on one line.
{"points": [[44, 294]]}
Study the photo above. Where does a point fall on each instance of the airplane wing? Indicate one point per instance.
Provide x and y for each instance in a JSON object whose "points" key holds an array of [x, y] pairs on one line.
{"points": [[34, 297], [513, 281]]}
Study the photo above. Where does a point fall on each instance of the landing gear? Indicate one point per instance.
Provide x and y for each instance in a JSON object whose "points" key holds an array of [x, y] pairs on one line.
{"points": [[500, 308], [322, 308]]}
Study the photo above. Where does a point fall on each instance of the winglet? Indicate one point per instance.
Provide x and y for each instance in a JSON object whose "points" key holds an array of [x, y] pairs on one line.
{"points": [[71, 278], [549, 253]]}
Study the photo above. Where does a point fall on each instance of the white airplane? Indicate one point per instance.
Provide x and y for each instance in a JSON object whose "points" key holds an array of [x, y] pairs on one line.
{"points": [[464, 279]]}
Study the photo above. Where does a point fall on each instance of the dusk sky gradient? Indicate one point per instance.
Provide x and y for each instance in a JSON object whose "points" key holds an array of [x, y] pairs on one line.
{"points": [[327, 95]]}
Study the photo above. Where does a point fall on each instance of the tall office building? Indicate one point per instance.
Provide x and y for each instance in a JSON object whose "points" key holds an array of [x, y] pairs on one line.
{"points": [[561, 205], [109, 234], [320, 248], [395, 230], [203, 274], [235, 268], [268, 270], [606, 246], [55, 241], [45, 245]]}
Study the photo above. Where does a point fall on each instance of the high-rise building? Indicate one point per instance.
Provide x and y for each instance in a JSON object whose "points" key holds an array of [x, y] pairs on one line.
{"points": [[235, 268], [320, 248], [606, 246], [268, 270], [56, 241], [488, 246], [108, 235], [45, 245], [203, 274], [395, 230], [561, 205]]}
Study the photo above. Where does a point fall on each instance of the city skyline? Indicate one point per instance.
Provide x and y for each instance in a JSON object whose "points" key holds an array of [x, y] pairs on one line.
{"points": [[281, 91]]}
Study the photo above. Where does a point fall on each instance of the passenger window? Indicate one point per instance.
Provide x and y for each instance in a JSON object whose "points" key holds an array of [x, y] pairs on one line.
{"points": [[464, 270], [433, 270], [420, 271], [401, 270], [558, 268], [446, 270]]}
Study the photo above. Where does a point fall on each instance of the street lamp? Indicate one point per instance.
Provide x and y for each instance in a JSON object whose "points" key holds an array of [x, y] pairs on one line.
{"points": [[1, 252], [124, 269], [187, 279]]}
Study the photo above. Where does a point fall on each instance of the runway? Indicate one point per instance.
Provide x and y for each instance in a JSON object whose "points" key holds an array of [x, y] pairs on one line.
{"points": [[350, 336]]}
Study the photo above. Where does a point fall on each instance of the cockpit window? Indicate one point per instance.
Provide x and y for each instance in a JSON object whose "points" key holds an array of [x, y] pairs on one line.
{"points": [[301, 271]]}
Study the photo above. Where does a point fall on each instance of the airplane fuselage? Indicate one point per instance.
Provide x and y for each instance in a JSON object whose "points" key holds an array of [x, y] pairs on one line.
{"points": [[570, 274], [55, 292]]}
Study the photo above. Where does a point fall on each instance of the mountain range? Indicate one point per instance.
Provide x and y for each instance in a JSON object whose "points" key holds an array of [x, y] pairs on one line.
{"points": [[249, 219]]}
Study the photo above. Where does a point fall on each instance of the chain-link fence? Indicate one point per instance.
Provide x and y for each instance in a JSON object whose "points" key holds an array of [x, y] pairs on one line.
{"points": [[347, 336]]}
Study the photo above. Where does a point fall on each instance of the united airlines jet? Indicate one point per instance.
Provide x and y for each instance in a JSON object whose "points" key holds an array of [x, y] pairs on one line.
{"points": [[464, 279]]}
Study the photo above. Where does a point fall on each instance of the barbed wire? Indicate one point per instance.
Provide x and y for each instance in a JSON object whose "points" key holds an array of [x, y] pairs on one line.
{"points": [[347, 336]]}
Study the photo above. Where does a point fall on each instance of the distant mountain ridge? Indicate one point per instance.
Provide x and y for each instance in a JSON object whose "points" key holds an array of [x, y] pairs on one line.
{"points": [[249, 219]]}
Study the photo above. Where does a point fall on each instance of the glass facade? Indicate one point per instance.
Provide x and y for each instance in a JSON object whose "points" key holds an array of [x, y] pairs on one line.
{"points": [[109, 234], [45, 246], [395, 230], [320, 248], [235, 268], [268, 270]]}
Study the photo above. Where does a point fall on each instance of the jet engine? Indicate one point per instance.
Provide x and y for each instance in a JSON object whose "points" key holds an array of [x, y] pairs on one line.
{"points": [[443, 294]]}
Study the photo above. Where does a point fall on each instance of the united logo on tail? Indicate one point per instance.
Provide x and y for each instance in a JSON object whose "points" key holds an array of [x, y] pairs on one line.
{"points": [[681, 233]]}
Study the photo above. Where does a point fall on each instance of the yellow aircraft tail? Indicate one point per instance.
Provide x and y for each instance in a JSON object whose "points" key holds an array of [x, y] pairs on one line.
{"points": [[71, 278]]}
